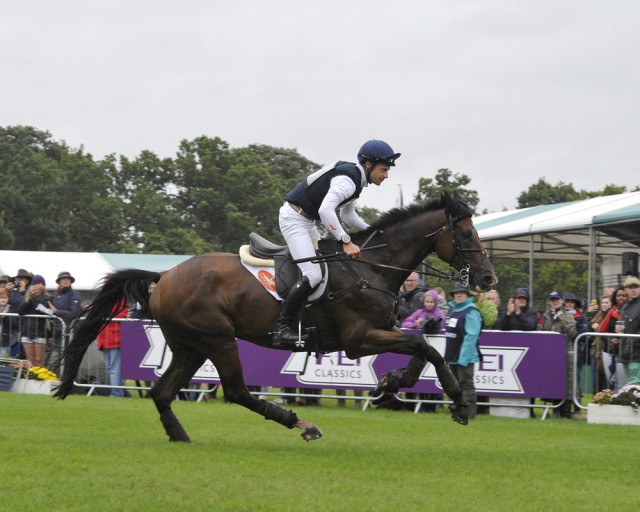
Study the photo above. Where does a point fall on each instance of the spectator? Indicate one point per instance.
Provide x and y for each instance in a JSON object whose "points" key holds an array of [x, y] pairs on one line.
{"points": [[442, 300], [17, 287], [488, 310], [410, 299], [34, 330], [65, 305], [630, 347], [464, 324], [5, 324], [574, 307], [519, 316], [429, 318], [494, 296], [110, 343], [610, 345], [557, 319], [597, 313]]}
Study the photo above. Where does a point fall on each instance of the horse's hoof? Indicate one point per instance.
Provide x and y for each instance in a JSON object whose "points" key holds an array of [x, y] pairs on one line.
{"points": [[311, 433], [388, 383], [459, 412]]}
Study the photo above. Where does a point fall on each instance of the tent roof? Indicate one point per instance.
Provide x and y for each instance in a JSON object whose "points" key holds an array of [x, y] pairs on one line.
{"points": [[564, 230], [88, 268]]}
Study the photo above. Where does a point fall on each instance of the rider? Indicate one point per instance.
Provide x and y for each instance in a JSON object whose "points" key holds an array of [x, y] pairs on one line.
{"points": [[316, 198]]}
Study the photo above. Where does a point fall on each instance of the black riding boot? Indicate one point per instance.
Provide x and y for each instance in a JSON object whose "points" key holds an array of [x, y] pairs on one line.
{"points": [[283, 335]]}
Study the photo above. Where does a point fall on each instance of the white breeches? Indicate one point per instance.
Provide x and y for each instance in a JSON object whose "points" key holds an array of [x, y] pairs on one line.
{"points": [[299, 232]]}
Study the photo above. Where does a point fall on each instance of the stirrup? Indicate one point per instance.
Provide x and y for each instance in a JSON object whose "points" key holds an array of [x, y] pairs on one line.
{"points": [[293, 341]]}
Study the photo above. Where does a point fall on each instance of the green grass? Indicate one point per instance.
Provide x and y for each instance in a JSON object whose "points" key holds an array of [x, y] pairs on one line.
{"points": [[95, 453]]}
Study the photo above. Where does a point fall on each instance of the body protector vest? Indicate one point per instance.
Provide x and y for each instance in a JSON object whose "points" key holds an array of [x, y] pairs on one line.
{"points": [[310, 192]]}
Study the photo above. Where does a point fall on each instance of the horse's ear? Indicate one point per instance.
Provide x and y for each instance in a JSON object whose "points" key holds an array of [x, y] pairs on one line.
{"points": [[450, 204]]}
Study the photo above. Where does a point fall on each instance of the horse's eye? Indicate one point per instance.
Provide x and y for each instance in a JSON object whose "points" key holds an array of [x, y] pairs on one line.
{"points": [[466, 235]]}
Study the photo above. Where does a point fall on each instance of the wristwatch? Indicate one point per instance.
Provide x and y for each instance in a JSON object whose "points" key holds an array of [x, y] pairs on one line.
{"points": [[345, 239]]}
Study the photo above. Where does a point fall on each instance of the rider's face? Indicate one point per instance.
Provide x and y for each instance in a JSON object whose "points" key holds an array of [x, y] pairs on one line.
{"points": [[379, 173]]}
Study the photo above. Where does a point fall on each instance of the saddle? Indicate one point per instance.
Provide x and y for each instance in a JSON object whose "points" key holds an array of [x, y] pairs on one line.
{"points": [[287, 273]]}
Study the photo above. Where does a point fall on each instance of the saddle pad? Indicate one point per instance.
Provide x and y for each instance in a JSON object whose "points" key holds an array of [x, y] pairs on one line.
{"points": [[265, 275]]}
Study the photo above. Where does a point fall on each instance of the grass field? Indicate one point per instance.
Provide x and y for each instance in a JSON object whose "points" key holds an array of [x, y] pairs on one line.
{"points": [[95, 453]]}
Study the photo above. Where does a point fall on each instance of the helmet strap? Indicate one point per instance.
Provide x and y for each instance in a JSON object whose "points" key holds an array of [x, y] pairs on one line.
{"points": [[368, 171]]}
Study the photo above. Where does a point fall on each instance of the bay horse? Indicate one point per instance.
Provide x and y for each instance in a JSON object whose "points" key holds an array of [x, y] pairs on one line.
{"points": [[203, 304]]}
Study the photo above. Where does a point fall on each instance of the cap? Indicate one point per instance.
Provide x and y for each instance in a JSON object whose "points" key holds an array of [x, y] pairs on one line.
{"points": [[37, 279], [631, 280], [555, 295], [64, 274], [572, 297], [458, 287]]}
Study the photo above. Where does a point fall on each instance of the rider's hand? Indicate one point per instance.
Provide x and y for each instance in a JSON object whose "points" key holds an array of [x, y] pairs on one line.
{"points": [[351, 250]]}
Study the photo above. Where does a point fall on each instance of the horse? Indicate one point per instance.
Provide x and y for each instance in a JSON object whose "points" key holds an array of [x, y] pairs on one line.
{"points": [[205, 303]]}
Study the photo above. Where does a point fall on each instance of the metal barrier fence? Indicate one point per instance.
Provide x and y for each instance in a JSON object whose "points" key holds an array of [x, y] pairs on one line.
{"points": [[95, 378], [611, 364], [16, 329]]}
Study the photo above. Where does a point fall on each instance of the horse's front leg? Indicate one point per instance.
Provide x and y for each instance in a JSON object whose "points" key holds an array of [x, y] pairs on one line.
{"points": [[235, 390], [401, 343]]}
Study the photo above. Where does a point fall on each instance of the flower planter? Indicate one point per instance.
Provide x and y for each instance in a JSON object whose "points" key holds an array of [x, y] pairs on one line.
{"points": [[613, 414], [33, 387]]}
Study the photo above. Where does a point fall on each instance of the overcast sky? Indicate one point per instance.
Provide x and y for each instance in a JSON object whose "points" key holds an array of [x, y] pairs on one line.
{"points": [[504, 91]]}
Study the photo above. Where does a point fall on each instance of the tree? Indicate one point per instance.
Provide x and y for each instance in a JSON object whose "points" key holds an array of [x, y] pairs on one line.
{"points": [[53, 197], [543, 192], [225, 194], [152, 219], [447, 180]]}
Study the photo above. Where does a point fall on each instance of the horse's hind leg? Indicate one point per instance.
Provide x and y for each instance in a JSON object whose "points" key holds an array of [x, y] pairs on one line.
{"points": [[180, 371], [227, 363]]}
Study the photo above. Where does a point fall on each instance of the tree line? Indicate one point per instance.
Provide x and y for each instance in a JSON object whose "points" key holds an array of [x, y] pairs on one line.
{"points": [[207, 198]]}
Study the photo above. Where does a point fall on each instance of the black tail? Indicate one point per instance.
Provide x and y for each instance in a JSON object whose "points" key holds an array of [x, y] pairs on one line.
{"points": [[131, 284]]}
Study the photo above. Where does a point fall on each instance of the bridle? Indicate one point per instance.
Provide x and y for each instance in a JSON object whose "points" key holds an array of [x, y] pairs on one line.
{"points": [[462, 252], [465, 272]]}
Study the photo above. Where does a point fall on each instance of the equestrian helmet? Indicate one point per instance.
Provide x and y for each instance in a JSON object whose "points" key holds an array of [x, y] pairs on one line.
{"points": [[377, 151]]}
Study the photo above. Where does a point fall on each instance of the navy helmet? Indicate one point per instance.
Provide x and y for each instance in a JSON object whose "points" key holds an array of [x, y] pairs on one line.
{"points": [[377, 151]]}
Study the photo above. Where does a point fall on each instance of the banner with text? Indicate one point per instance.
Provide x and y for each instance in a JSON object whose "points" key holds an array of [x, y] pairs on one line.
{"points": [[519, 364]]}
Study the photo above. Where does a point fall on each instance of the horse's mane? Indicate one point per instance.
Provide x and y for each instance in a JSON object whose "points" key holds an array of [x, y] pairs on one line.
{"points": [[396, 215]]}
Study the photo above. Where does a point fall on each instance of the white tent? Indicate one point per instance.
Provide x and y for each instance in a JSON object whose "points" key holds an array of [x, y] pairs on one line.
{"points": [[601, 228], [88, 268]]}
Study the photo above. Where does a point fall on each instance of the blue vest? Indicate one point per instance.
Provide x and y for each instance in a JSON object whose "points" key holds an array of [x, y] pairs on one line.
{"points": [[310, 192], [455, 332]]}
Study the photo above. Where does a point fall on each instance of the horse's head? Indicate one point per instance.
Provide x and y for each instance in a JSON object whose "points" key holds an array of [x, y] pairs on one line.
{"points": [[460, 246]]}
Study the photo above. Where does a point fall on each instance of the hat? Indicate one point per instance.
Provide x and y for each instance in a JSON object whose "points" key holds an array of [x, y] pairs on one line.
{"points": [[37, 279], [64, 274], [5, 279], [521, 293], [23, 273], [555, 295], [459, 287], [571, 296], [631, 280]]}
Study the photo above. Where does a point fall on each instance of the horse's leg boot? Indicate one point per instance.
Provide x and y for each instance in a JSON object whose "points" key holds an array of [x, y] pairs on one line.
{"points": [[284, 336]]}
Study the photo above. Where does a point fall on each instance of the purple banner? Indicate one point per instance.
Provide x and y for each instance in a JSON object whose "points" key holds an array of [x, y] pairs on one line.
{"points": [[516, 364]]}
